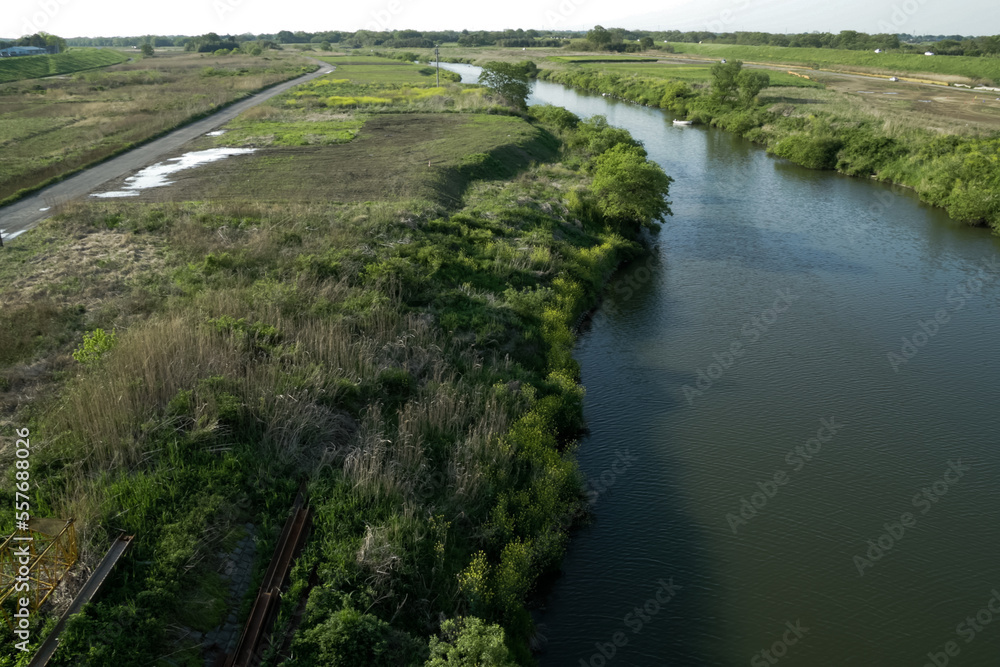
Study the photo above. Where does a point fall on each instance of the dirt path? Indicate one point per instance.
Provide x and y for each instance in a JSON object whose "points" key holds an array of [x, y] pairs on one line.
{"points": [[26, 213]]}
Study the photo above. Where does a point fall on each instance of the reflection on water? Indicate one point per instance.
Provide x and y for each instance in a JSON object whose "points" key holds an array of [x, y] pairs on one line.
{"points": [[761, 565], [156, 175]]}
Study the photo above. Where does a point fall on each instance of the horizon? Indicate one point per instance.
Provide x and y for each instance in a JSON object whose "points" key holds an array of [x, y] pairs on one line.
{"points": [[116, 18]]}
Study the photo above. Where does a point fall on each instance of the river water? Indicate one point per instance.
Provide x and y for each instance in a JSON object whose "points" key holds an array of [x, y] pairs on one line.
{"points": [[771, 486]]}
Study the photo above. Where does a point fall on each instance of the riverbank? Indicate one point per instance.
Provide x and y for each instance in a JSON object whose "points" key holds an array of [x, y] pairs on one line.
{"points": [[956, 172], [411, 356]]}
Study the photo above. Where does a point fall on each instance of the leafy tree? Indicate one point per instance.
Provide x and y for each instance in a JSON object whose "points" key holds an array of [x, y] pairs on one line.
{"points": [[646, 42], [469, 642], [630, 189], [325, 46], [725, 85], [598, 136], [147, 50], [750, 83], [507, 81], [599, 36]]}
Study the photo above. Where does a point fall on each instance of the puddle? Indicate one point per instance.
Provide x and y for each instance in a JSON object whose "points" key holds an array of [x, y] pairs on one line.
{"points": [[216, 133], [156, 175]]}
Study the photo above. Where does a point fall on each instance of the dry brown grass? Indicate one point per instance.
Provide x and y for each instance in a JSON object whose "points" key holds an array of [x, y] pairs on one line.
{"points": [[95, 114]]}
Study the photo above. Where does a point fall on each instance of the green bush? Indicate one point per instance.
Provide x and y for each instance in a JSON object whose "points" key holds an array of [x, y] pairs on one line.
{"points": [[469, 642], [809, 151], [349, 638], [95, 345], [557, 116]]}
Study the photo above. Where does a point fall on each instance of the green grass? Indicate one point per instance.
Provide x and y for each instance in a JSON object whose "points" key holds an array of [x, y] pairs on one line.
{"points": [[291, 132], [598, 59], [979, 69], [74, 60], [375, 70], [690, 73], [54, 126], [410, 352]]}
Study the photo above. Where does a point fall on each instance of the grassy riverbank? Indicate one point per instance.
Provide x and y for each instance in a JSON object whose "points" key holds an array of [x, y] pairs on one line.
{"points": [[956, 171], [410, 356]]}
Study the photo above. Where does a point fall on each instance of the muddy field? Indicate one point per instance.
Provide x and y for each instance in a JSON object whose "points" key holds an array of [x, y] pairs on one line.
{"points": [[941, 107]]}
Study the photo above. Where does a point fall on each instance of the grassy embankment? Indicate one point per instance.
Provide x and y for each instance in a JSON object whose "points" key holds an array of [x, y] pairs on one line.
{"points": [[957, 171], [74, 60], [691, 73], [409, 352], [52, 127], [944, 68]]}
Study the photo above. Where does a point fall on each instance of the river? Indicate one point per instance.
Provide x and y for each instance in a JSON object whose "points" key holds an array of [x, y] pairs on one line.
{"points": [[770, 484]]}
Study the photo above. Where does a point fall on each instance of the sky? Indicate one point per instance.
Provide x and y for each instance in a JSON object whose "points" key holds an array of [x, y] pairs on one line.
{"points": [[109, 18]]}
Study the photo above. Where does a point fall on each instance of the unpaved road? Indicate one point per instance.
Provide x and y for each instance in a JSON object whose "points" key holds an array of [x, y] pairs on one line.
{"points": [[26, 213]]}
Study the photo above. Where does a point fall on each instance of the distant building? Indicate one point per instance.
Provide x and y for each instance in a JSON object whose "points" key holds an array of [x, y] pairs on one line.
{"points": [[22, 51]]}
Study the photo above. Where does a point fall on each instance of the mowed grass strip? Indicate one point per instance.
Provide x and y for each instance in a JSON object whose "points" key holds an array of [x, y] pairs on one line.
{"points": [[394, 157], [33, 67], [371, 69]]}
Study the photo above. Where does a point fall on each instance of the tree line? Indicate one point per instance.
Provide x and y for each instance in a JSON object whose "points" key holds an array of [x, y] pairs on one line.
{"points": [[847, 39], [40, 39], [598, 38]]}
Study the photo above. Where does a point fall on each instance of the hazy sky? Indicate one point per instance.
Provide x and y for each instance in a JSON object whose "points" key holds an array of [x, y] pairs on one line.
{"points": [[74, 18]]}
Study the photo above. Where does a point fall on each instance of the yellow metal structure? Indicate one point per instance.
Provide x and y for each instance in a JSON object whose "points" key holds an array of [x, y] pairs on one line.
{"points": [[39, 557]]}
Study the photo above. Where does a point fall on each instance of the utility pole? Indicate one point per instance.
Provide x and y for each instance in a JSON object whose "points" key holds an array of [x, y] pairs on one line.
{"points": [[437, 62]]}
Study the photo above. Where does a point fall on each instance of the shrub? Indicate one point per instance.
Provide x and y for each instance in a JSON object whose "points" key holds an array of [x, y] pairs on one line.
{"points": [[557, 116], [809, 151], [349, 638], [469, 642], [94, 345]]}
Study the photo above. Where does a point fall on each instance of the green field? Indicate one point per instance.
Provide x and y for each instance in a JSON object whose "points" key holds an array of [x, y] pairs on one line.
{"points": [[74, 60], [51, 127], [374, 70], [370, 130], [599, 59], [690, 73], [945, 67]]}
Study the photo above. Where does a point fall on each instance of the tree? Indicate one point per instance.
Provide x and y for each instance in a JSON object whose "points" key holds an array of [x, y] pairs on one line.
{"points": [[647, 43], [750, 83], [724, 80], [507, 81], [325, 46], [147, 50], [630, 189], [599, 37], [469, 642]]}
